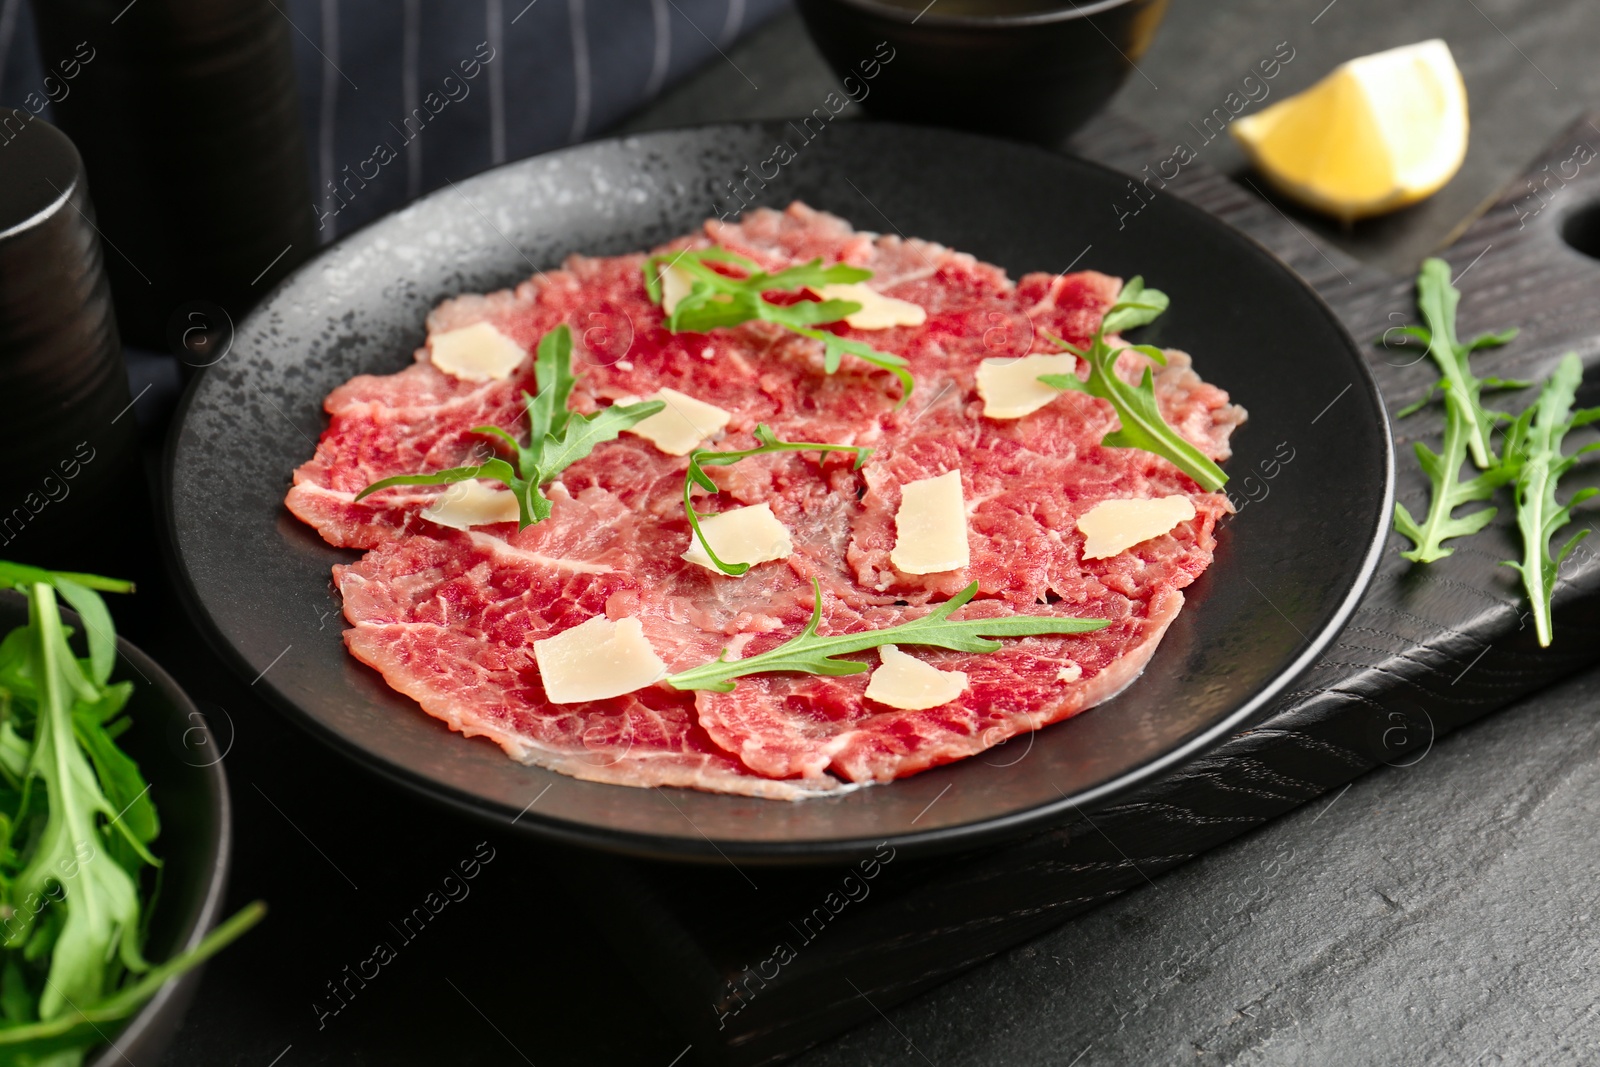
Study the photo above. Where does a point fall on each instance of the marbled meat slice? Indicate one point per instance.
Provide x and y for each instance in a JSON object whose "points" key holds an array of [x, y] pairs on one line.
{"points": [[450, 622], [449, 617]]}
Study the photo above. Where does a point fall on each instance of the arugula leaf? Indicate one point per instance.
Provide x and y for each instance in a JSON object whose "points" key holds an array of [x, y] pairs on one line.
{"points": [[79, 590], [82, 1026], [1141, 425], [834, 348], [497, 469], [102, 910], [137, 823], [1532, 460], [20, 576], [1449, 492], [552, 370], [97, 621], [711, 291], [1437, 300], [1468, 425], [76, 819], [807, 653], [557, 436], [704, 457], [1534, 449], [16, 1000], [1135, 306], [580, 436], [716, 300]]}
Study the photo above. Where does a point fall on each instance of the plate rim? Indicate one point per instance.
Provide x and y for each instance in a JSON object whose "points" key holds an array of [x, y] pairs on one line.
{"points": [[697, 848]]}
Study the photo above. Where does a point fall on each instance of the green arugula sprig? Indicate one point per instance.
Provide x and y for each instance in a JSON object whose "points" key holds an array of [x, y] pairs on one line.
{"points": [[1533, 447], [717, 300], [70, 1034], [807, 653], [557, 437], [768, 443], [102, 917], [1443, 469], [1437, 299], [1532, 460], [78, 590], [76, 823], [1468, 427], [1141, 424]]}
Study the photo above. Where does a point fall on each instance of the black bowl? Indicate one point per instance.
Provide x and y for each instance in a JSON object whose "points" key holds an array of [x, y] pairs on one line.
{"points": [[176, 751], [1030, 69]]}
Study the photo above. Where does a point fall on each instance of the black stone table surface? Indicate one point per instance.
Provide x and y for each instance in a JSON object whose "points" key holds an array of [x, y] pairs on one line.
{"points": [[1442, 912]]}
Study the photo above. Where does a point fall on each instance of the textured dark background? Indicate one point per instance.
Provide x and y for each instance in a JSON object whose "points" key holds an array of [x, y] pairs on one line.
{"points": [[538, 74]]}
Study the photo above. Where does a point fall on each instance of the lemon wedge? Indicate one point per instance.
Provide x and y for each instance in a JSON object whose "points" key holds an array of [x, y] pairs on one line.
{"points": [[1379, 133]]}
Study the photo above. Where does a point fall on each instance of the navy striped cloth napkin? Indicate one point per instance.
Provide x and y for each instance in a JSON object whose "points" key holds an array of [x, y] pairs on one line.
{"points": [[409, 93]]}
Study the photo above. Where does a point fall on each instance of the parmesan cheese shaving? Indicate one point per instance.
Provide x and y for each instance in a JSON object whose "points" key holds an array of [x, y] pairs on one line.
{"points": [[472, 503], [1113, 526], [596, 660], [907, 683], [931, 526], [476, 353], [742, 535], [1011, 387], [675, 285], [878, 312], [682, 425]]}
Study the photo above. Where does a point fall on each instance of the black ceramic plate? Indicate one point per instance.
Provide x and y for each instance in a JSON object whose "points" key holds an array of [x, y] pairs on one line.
{"points": [[1289, 568]]}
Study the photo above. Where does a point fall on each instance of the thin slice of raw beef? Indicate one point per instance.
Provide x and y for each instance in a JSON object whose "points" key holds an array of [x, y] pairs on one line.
{"points": [[450, 617]]}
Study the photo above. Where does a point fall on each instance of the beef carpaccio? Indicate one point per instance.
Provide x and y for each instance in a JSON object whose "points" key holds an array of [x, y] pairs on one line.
{"points": [[450, 617]]}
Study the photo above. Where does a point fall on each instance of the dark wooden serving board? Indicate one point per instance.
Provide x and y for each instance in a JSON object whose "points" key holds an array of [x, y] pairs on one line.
{"points": [[760, 963]]}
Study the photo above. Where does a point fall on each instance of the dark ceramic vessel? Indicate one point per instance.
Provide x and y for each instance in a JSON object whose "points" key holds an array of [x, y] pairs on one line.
{"points": [[1288, 570], [67, 429], [179, 757], [1030, 69], [187, 117]]}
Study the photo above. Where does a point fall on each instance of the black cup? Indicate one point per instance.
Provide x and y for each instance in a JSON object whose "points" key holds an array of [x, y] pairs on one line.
{"points": [[1034, 70], [186, 114], [71, 482]]}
